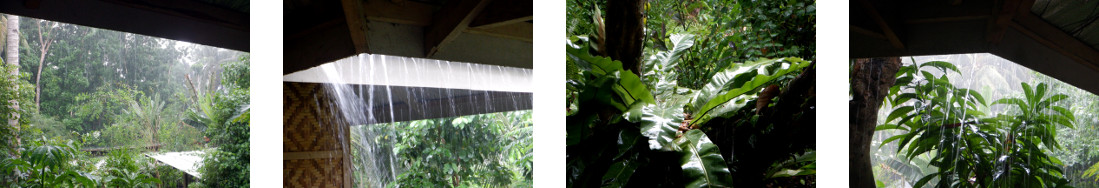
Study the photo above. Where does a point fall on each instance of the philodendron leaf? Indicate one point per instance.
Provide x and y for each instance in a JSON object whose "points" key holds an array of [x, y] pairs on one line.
{"points": [[659, 123], [702, 163], [714, 96]]}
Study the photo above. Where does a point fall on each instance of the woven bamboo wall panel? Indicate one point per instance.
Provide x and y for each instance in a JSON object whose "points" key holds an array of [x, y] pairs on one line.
{"points": [[313, 173], [308, 125]]}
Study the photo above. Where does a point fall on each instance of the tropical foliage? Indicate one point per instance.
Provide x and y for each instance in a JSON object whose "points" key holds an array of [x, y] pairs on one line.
{"points": [[93, 102], [624, 130], [948, 138], [493, 150], [705, 107]]}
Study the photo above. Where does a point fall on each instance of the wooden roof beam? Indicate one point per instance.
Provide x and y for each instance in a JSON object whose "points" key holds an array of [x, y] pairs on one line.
{"points": [[999, 26], [356, 23], [450, 21], [1045, 33], [500, 13], [401, 12], [522, 31], [886, 27]]}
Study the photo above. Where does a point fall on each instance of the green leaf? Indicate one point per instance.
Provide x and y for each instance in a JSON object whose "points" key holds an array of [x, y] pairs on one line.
{"points": [[629, 86], [903, 81], [923, 181], [942, 65], [890, 139], [903, 97], [888, 127], [704, 113], [899, 112], [620, 172], [1018, 102], [1064, 112], [702, 163], [660, 124]]}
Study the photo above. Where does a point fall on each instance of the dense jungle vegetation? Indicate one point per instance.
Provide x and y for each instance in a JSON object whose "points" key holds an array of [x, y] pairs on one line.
{"points": [[485, 150], [699, 93], [81, 107], [943, 125]]}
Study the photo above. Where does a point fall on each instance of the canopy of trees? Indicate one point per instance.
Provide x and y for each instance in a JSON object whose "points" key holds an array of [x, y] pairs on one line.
{"points": [[93, 101]]}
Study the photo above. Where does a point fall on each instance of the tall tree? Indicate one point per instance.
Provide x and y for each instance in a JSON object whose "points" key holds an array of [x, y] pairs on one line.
{"points": [[13, 58], [46, 41]]}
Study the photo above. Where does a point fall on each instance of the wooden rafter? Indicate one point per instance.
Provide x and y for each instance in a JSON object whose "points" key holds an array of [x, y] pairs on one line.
{"points": [[1003, 19], [867, 32], [356, 23], [887, 30], [500, 13], [1045, 33], [522, 31], [449, 22], [401, 12]]}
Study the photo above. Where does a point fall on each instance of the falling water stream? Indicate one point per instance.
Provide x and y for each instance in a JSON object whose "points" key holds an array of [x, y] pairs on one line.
{"points": [[368, 90]]}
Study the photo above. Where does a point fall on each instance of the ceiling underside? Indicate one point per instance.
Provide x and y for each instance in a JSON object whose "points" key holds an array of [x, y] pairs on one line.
{"points": [[222, 24], [1079, 18], [1058, 41], [476, 31]]}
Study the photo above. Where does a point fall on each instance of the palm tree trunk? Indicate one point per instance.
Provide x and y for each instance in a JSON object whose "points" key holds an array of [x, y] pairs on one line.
{"points": [[870, 82], [12, 52]]}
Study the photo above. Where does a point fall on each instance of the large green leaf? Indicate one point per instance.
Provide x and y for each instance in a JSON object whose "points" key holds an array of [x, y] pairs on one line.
{"points": [[49, 155], [942, 65], [620, 172], [712, 97], [660, 67], [702, 163], [666, 61], [659, 123]]}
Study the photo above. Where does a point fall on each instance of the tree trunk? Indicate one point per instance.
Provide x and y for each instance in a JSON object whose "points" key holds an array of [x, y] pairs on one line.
{"points": [[44, 41], [870, 82], [625, 33], [12, 52]]}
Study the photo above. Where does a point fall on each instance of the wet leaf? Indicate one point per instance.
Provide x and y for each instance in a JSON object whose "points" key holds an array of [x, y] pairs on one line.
{"points": [[660, 124], [702, 163], [713, 96]]}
